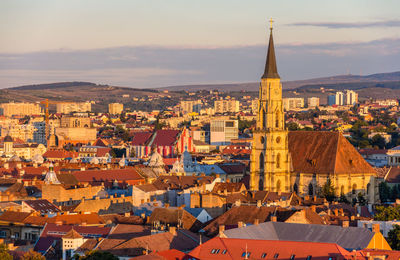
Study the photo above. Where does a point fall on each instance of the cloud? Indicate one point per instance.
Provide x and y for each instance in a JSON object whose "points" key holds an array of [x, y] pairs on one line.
{"points": [[330, 25], [157, 66]]}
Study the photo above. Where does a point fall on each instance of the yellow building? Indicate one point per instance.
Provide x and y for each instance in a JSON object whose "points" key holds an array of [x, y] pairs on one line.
{"points": [[115, 108], [302, 161], [20, 109], [224, 106], [69, 107]]}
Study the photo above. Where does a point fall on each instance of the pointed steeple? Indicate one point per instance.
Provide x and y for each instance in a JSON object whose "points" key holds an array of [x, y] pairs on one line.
{"points": [[271, 70]]}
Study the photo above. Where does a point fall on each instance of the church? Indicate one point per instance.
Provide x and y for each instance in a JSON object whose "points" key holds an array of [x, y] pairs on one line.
{"points": [[302, 161]]}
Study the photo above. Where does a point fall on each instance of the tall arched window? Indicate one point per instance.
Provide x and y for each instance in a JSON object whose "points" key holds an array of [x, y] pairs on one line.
{"points": [[278, 161], [261, 166], [264, 119], [295, 188], [277, 119], [354, 188], [310, 189], [278, 185]]}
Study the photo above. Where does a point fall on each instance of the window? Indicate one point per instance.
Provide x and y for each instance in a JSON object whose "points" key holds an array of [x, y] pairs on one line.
{"points": [[292, 257], [264, 255], [276, 256], [223, 252], [246, 254], [309, 257]]}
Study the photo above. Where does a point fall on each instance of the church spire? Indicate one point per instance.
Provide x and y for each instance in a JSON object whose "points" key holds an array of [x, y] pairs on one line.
{"points": [[271, 70]]}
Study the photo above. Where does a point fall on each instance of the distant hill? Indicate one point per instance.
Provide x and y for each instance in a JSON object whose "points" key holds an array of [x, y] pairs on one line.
{"points": [[340, 79]]}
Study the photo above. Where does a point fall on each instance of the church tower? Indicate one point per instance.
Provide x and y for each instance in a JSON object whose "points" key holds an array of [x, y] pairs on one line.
{"points": [[270, 161]]}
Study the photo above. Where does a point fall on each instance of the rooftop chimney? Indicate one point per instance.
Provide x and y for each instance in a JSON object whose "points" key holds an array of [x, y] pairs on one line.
{"points": [[345, 223], [376, 228], [221, 229], [172, 230], [240, 224], [256, 221], [274, 219]]}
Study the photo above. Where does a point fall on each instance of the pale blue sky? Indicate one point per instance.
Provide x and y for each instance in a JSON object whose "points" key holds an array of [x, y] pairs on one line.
{"points": [[47, 40]]}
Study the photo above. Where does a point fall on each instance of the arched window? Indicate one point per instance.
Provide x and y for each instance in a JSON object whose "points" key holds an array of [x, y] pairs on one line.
{"points": [[264, 119], [261, 166], [295, 188], [354, 188], [278, 161], [277, 119], [278, 185], [310, 189]]}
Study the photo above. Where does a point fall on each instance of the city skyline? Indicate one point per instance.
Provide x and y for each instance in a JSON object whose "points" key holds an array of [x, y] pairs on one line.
{"points": [[129, 43]]}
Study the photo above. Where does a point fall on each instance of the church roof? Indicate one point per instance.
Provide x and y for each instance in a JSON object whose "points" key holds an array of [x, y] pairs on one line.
{"points": [[72, 234], [271, 70], [325, 152], [8, 139]]}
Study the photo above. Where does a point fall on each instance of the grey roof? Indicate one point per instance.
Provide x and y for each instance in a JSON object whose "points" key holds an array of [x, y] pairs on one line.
{"points": [[349, 238], [8, 139], [195, 212], [271, 70]]}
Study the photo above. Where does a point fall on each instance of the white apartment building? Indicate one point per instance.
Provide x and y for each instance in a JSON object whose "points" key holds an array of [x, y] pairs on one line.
{"points": [[351, 97], [226, 106], [339, 98], [223, 131], [312, 102], [115, 108], [293, 103], [69, 107], [190, 106], [20, 109]]}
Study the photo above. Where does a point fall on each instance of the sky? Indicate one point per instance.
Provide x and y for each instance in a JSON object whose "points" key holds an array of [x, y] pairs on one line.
{"points": [[156, 43]]}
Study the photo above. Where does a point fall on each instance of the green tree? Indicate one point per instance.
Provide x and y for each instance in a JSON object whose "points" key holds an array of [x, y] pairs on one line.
{"points": [[4, 255], [32, 255], [361, 199], [378, 140], [328, 190], [384, 192], [394, 238], [292, 126], [387, 213], [96, 255]]}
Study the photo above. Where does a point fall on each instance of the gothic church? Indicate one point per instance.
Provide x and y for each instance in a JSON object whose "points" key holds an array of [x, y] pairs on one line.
{"points": [[301, 161]]}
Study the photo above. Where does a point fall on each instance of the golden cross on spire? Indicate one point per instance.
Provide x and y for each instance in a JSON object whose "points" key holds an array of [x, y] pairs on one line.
{"points": [[270, 23]]}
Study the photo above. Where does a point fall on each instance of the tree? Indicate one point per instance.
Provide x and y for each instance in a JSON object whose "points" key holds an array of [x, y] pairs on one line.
{"points": [[384, 192], [387, 213], [328, 190], [4, 255], [361, 200], [292, 126], [394, 238], [96, 255], [32, 255], [378, 140]]}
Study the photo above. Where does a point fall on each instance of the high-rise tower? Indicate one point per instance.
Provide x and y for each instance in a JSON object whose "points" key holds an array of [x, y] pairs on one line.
{"points": [[270, 161]]}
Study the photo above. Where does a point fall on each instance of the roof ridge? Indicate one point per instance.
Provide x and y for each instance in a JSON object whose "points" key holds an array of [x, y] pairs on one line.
{"points": [[336, 154]]}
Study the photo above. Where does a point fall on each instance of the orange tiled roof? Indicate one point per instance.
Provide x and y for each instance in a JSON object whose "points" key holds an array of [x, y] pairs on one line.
{"points": [[325, 152]]}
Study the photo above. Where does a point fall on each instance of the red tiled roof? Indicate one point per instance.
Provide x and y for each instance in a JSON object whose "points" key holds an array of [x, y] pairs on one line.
{"points": [[107, 175], [141, 138], [325, 152], [44, 206], [230, 248], [59, 153], [165, 137], [52, 232]]}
